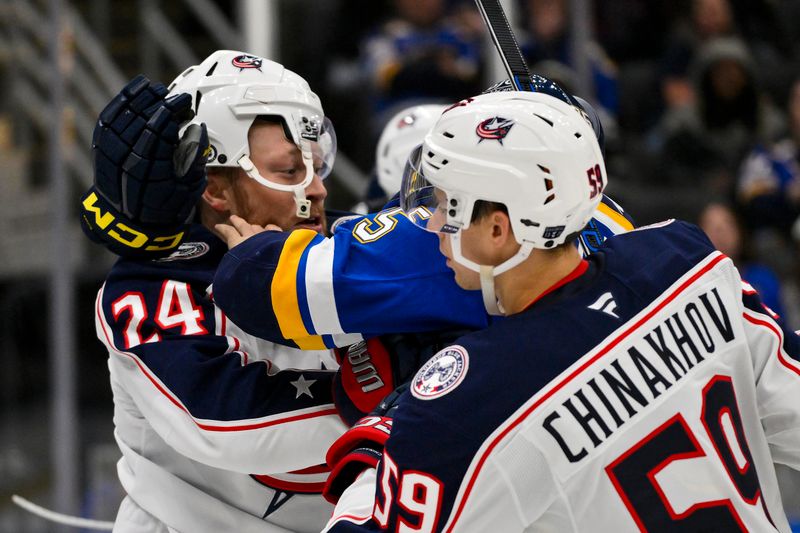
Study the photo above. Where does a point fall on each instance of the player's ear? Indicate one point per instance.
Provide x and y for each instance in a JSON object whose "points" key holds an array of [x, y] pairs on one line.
{"points": [[503, 242], [501, 226], [218, 193]]}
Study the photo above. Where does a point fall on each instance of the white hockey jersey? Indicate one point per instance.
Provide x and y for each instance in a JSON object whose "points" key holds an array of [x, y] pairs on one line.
{"points": [[651, 391], [217, 430]]}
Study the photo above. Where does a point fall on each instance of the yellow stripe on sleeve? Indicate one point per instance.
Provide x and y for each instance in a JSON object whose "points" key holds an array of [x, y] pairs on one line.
{"points": [[284, 288], [615, 216], [313, 342]]}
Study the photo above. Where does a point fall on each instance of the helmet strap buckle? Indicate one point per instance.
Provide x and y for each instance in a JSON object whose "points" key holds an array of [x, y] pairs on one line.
{"points": [[303, 207]]}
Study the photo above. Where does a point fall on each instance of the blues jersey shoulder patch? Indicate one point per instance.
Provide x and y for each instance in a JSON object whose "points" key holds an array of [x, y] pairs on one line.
{"points": [[441, 374]]}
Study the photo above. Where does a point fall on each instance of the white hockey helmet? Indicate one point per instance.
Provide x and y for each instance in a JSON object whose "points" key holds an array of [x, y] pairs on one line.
{"points": [[230, 89], [531, 152], [404, 132]]}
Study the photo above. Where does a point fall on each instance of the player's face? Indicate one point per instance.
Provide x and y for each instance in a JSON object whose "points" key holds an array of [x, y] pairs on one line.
{"points": [[278, 160], [472, 248]]}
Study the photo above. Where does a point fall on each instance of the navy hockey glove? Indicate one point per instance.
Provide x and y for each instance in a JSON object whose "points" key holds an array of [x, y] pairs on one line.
{"points": [[371, 369], [361, 447], [146, 180]]}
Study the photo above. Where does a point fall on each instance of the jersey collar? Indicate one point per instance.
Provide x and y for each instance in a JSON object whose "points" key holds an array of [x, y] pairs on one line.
{"points": [[577, 272]]}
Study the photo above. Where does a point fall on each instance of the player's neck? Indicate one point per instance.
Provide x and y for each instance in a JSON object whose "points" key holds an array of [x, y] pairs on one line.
{"points": [[520, 286]]}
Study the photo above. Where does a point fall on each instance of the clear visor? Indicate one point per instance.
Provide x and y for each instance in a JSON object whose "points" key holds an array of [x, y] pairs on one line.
{"points": [[321, 153], [324, 150], [424, 203], [297, 170]]}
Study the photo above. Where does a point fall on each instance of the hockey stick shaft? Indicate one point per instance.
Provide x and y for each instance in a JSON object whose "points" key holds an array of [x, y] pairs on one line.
{"points": [[60, 518], [496, 22]]}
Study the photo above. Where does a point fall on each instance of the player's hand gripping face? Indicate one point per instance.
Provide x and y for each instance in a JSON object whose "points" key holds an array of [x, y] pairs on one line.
{"points": [[239, 230], [278, 160]]}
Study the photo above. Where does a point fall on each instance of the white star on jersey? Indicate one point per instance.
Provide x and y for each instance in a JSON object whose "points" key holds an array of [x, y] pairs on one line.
{"points": [[303, 386]]}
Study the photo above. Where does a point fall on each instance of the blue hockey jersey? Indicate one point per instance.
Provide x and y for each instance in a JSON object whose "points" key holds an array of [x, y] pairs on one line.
{"points": [[219, 431], [651, 393], [377, 274]]}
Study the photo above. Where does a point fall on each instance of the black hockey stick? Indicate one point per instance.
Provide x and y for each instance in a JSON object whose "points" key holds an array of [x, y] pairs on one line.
{"points": [[496, 22], [520, 77]]}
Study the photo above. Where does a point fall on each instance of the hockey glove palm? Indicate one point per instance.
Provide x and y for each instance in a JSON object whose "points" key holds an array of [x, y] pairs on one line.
{"points": [[146, 180]]}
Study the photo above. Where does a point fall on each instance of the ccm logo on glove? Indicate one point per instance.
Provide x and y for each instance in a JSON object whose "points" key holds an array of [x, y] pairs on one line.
{"points": [[126, 235]]}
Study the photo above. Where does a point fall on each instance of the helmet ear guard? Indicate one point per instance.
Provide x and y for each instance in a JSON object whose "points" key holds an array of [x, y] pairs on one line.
{"points": [[230, 89]]}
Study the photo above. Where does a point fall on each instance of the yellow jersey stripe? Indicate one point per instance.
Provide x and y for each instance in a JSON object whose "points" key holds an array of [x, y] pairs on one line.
{"points": [[313, 342], [284, 287], [616, 217]]}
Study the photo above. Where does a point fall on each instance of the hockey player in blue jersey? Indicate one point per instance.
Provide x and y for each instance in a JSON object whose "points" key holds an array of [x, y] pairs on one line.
{"points": [[297, 285], [643, 388]]}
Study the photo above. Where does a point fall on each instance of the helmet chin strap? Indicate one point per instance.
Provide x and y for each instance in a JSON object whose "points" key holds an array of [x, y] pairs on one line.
{"points": [[488, 273], [300, 200], [299, 190], [490, 302]]}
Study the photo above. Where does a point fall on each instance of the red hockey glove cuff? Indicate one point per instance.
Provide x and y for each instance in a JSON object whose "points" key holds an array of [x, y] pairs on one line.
{"points": [[365, 377], [355, 451]]}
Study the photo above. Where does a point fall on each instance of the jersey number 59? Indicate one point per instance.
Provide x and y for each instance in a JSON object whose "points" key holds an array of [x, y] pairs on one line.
{"points": [[419, 495], [634, 472]]}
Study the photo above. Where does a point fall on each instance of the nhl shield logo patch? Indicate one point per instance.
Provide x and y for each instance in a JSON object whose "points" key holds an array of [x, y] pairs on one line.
{"points": [[441, 374]]}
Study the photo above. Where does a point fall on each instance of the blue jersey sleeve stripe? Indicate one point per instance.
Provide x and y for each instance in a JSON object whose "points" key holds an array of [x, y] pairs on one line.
{"points": [[302, 292], [329, 342]]}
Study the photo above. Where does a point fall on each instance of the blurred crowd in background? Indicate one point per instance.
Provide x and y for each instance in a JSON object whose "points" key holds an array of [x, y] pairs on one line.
{"points": [[700, 101]]}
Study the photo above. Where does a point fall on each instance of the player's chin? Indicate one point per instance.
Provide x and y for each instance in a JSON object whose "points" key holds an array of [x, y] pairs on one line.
{"points": [[317, 224], [465, 278]]}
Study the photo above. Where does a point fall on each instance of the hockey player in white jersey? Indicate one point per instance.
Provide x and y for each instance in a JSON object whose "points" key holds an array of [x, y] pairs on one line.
{"points": [[643, 388], [219, 431]]}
